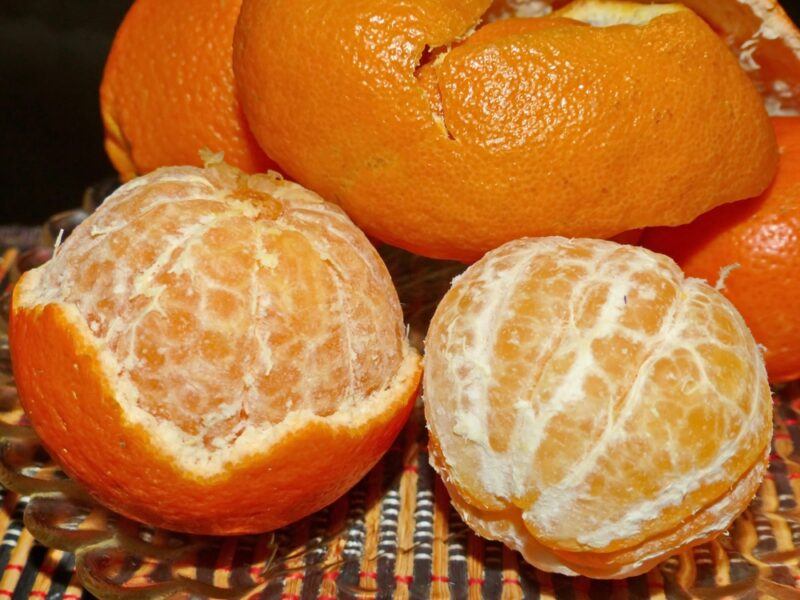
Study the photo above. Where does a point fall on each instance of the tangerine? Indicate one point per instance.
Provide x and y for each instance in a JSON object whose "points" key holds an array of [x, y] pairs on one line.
{"points": [[591, 407], [601, 118], [758, 240], [213, 353], [168, 89]]}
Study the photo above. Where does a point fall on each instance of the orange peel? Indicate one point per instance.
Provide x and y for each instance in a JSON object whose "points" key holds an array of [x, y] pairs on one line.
{"points": [[751, 251], [759, 33], [449, 142], [168, 89]]}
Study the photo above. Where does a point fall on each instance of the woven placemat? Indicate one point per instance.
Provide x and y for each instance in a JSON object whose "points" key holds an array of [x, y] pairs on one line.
{"points": [[394, 535]]}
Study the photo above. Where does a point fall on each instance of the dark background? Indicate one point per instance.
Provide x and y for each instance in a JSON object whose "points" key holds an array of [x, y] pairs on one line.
{"points": [[51, 140]]}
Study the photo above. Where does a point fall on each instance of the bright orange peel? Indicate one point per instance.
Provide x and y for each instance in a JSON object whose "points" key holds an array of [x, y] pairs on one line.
{"points": [[168, 89], [449, 143]]}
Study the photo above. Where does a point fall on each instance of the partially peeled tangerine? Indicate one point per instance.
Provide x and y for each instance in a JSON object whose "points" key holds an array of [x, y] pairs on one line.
{"points": [[591, 407], [213, 352]]}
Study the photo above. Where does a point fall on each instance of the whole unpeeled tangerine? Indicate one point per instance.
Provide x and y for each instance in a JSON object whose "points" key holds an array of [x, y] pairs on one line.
{"points": [[591, 407], [757, 243], [168, 89], [449, 143], [213, 353]]}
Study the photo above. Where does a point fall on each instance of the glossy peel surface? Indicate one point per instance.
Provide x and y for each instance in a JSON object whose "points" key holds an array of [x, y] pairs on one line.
{"points": [[449, 141]]}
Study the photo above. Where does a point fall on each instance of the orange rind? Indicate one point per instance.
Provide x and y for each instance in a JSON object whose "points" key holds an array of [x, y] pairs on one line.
{"points": [[601, 118], [758, 32], [752, 249], [168, 89]]}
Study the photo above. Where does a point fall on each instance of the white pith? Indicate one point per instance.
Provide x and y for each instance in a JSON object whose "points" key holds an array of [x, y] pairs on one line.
{"points": [[599, 13]]}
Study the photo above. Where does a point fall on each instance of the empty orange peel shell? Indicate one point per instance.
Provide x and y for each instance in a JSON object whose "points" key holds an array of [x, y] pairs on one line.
{"points": [[605, 117]]}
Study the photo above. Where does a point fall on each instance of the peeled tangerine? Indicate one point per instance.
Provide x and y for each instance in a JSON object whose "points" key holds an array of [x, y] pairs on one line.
{"points": [[593, 408], [214, 353]]}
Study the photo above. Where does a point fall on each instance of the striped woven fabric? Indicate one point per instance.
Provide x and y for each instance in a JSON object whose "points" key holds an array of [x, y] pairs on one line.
{"points": [[394, 535]]}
